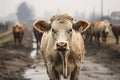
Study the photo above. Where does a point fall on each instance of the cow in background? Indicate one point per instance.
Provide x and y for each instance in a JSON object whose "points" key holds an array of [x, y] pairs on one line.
{"points": [[98, 30], [18, 33], [62, 46], [116, 31], [38, 35]]}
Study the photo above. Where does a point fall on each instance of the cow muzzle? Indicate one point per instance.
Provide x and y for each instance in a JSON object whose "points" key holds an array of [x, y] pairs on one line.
{"points": [[61, 46]]}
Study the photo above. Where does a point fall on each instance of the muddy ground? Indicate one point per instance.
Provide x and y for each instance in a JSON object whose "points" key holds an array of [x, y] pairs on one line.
{"points": [[14, 59], [100, 62]]}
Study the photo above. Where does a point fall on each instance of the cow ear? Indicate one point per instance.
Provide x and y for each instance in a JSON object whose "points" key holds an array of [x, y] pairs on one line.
{"points": [[41, 25], [81, 25]]}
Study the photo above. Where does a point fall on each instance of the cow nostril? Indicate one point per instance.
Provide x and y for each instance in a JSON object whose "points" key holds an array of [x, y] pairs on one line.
{"points": [[65, 44], [61, 46], [107, 32]]}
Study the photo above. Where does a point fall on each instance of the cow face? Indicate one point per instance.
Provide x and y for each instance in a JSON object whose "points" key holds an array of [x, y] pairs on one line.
{"points": [[17, 28], [105, 32], [61, 31]]}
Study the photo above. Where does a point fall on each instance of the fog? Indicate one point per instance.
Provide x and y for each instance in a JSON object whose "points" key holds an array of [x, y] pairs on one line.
{"points": [[46, 8]]}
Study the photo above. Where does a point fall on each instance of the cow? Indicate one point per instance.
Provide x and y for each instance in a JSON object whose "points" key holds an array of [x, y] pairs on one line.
{"points": [[18, 33], [38, 35], [98, 29], [116, 31], [62, 46]]}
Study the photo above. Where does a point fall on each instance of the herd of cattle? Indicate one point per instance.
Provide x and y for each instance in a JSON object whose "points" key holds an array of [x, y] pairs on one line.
{"points": [[99, 30], [62, 43]]}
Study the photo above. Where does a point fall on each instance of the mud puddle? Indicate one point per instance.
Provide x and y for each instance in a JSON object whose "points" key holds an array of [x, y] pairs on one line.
{"points": [[37, 70]]}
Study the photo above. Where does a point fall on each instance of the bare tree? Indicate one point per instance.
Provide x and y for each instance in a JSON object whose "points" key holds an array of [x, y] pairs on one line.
{"points": [[24, 12]]}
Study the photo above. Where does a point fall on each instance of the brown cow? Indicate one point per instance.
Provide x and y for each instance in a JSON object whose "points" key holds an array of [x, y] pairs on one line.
{"points": [[38, 35], [18, 33], [116, 32], [62, 46], [98, 29]]}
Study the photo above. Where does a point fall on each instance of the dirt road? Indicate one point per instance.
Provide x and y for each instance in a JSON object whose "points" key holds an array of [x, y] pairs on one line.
{"points": [[100, 63]]}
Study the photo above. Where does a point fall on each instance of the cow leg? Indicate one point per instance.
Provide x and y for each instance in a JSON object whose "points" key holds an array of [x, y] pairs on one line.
{"points": [[37, 47], [95, 38], [15, 41], [86, 37], [20, 40], [52, 73], [75, 74], [98, 39], [117, 39], [91, 38]]}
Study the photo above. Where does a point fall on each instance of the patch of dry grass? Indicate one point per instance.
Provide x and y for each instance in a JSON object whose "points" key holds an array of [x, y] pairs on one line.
{"points": [[111, 41], [6, 38]]}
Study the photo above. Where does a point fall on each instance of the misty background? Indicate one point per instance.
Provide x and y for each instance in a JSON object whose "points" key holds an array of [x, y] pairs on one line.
{"points": [[30, 10]]}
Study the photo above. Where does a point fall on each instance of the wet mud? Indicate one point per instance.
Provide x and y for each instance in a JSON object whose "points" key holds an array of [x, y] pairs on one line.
{"points": [[21, 62]]}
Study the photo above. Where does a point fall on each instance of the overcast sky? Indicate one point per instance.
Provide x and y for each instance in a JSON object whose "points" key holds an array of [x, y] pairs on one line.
{"points": [[69, 6]]}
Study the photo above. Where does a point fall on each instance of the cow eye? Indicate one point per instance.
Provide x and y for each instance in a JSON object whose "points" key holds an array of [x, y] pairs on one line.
{"points": [[54, 31], [70, 30]]}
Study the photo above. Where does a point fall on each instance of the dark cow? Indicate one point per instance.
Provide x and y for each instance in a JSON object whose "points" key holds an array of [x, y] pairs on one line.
{"points": [[38, 35], [62, 46], [98, 30], [116, 32], [18, 33]]}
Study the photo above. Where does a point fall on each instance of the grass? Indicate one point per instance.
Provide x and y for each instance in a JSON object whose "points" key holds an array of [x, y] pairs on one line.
{"points": [[111, 41], [6, 38]]}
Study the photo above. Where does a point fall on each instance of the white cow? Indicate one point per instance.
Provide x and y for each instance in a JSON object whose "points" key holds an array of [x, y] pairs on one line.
{"points": [[98, 29], [62, 46]]}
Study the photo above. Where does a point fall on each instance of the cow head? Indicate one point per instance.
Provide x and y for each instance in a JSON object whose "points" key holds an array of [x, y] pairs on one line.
{"points": [[61, 28], [17, 27], [106, 28]]}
